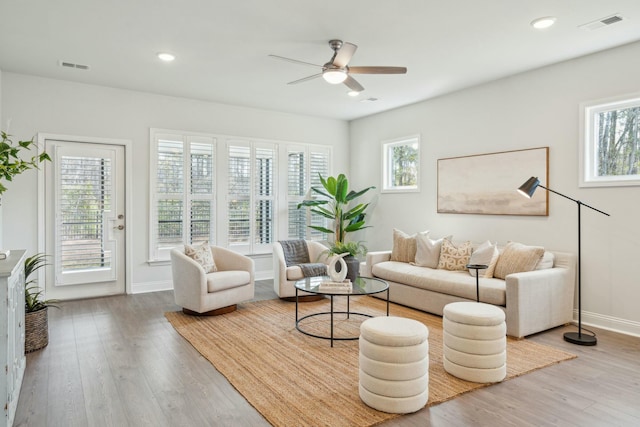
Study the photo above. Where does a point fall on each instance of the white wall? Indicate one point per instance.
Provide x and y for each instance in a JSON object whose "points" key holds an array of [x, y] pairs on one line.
{"points": [[51, 106], [534, 109]]}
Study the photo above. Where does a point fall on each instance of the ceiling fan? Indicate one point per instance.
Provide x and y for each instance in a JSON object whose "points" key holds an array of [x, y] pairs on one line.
{"points": [[337, 71]]}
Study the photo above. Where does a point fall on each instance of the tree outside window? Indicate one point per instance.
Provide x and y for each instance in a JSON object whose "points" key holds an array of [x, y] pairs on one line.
{"points": [[401, 163], [611, 143]]}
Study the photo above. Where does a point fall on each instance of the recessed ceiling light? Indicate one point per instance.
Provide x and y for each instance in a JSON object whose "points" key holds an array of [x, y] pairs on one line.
{"points": [[167, 57], [542, 23], [353, 93]]}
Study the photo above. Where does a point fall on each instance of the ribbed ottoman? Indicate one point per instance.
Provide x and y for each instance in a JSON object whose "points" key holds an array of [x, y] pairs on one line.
{"points": [[394, 364], [474, 342]]}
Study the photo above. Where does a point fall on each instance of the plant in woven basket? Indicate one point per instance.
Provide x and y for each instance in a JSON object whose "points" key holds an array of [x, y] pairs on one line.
{"points": [[32, 292], [36, 322]]}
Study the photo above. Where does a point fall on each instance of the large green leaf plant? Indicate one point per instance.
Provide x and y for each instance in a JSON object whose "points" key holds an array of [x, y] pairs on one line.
{"points": [[10, 162], [32, 292], [335, 203]]}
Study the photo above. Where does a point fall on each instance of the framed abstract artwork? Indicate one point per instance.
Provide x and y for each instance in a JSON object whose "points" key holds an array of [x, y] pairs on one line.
{"points": [[487, 184]]}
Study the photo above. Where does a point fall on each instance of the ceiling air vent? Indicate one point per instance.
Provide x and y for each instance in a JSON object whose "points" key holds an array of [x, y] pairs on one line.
{"points": [[72, 65], [600, 23]]}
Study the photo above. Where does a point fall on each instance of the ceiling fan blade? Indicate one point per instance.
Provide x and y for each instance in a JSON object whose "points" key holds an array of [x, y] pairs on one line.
{"points": [[304, 79], [344, 54], [378, 70], [353, 84], [295, 61]]}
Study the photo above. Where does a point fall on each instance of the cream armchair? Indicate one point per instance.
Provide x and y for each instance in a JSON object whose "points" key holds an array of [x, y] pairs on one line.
{"points": [[284, 278], [214, 293]]}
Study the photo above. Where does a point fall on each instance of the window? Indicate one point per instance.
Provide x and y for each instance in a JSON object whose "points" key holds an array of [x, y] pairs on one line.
{"points": [[610, 142], [251, 195], [400, 165], [182, 196], [231, 191], [304, 165]]}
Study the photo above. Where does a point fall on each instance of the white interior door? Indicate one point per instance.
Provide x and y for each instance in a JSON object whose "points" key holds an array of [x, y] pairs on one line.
{"points": [[85, 219]]}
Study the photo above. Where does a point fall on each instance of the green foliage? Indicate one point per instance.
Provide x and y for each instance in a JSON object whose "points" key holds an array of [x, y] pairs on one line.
{"points": [[353, 248], [10, 162], [334, 204], [32, 292], [404, 160], [618, 142]]}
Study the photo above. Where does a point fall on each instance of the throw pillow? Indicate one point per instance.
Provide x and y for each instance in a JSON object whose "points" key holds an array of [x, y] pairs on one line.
{"points": [[454, 258], [546, 262], [517, 258], [428, 250], [404, 247], [202, 255], [485, 254]]}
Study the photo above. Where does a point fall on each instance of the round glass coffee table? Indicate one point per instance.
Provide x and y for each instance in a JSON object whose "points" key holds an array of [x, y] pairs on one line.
{"points": [[361, 286]]}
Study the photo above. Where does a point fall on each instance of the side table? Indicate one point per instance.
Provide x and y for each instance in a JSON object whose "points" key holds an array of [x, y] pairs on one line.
{"points": [[477, 268]]}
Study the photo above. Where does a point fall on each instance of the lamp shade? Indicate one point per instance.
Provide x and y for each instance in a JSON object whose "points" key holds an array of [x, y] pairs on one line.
{"points": [[335, 76], [529, 187]]}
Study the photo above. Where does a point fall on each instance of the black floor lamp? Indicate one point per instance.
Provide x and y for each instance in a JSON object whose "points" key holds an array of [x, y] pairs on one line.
{"points": [[527, 189]]}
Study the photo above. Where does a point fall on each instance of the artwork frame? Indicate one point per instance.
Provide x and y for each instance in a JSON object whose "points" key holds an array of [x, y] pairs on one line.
{"points": [[486, 184]]}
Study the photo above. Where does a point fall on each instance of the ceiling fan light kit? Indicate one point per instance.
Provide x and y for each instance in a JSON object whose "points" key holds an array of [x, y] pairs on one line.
{"points": [[337, 71], [335, 75]]}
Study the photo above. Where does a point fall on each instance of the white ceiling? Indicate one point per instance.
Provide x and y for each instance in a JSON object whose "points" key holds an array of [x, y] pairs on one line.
{"points": [[222, 47]]}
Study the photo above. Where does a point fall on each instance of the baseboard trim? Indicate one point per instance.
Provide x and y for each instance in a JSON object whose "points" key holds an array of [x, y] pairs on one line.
{"points": [[627, 327], [145, 287]]}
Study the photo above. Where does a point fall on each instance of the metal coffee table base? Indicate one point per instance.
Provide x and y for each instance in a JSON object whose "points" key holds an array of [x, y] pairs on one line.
{"points": [[331, 313]]}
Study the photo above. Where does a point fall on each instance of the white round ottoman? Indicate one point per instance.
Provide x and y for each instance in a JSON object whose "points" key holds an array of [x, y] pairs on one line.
{"points": [[394, 364], [474, 342]]}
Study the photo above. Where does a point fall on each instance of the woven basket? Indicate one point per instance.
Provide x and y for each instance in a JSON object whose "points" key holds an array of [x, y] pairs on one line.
{"points": [[36, 330]]}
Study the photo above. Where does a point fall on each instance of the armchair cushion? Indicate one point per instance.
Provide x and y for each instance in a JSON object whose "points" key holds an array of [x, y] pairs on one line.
{"points": [[202, 255], [222, 280]]}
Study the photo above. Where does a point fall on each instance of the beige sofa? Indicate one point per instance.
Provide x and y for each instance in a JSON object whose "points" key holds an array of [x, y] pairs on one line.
{"points": [[533, 301]]}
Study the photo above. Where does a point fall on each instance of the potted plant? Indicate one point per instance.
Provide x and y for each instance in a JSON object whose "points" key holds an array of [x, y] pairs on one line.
{"points": [[36, 321], [335, 204], [10, 162]]}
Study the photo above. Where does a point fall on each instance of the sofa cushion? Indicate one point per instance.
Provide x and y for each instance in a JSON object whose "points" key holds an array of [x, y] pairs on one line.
{"points": [[546, 262], [485, 254], [404, 246], [202, 255], [517, 258], [456, 283], [454, 258], [428, 250], [221, 280]]}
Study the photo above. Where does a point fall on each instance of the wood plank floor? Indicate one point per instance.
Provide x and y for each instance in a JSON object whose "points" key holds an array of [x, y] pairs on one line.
{"points": [[116, 361]]}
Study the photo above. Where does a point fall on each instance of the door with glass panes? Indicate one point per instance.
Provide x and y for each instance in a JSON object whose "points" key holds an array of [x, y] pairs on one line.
{"points": [[85, 219]]}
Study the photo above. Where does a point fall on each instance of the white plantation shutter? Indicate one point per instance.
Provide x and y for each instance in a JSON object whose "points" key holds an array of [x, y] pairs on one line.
{"points": [[318, 164], [239, 192], [297, 183], [183, 192], [304, 165], [256, 207], [251, 196], [85, 187], [264, 198]]}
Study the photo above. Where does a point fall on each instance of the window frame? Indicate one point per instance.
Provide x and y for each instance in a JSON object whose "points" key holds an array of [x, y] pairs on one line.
{"points": [[251, 247], [307, 150], [220, 197], [588, 176], [387, 145], [156, 252]]}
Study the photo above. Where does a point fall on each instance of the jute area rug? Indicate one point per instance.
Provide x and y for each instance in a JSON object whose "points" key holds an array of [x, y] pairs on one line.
{"points": [[296, 380]]}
